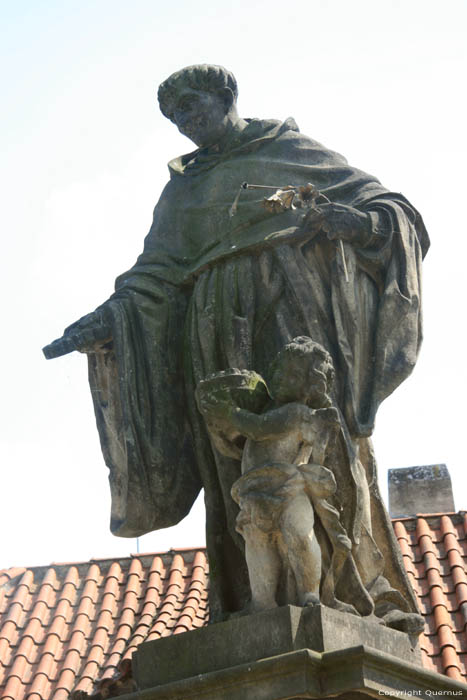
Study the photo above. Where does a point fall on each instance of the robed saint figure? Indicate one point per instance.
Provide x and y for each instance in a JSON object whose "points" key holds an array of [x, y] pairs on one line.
{"points": [[213, 290]]}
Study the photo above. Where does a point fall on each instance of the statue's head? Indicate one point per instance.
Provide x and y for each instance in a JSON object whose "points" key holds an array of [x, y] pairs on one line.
{"points": [[201, 101], [302, 371]]}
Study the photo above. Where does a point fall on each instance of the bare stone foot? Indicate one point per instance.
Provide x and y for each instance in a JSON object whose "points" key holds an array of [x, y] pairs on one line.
{"points": [[344, 607], [411, 623], [310, 600]]}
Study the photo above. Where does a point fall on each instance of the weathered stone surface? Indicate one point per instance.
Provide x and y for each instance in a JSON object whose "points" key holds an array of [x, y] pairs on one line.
{"points": [[287, 480], [287, 653], [425, 489], [226, 280], [263, 635]]}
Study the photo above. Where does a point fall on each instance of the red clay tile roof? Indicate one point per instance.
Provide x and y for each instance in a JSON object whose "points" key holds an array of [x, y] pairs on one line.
{"points": [[434, 549], [66, 626]]}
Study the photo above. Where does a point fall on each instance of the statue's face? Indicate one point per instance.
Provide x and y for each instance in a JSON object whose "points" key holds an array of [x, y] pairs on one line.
{"points": [[290, 380], [300, 378], [201, 116]]}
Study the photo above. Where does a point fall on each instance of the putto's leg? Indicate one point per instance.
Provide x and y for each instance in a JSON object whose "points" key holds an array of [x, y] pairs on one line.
{"points": [[264, 567], [303, 550]]}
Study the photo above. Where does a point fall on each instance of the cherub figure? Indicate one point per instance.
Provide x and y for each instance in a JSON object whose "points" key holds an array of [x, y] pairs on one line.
{"points": [[284, 483]]}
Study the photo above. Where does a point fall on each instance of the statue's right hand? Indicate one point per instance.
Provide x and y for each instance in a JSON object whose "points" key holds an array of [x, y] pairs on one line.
{"points": [[89, 334]]}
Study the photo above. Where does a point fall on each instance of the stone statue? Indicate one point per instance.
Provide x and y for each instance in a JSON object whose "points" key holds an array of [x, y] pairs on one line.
{"points": [[225, 282], [284, 480]]}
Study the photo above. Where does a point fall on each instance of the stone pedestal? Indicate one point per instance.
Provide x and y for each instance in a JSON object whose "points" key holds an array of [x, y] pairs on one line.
{"points": [[286, 653]]}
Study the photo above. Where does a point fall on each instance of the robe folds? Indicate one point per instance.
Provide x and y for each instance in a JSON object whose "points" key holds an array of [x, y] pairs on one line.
{"points": [[213, 290]]}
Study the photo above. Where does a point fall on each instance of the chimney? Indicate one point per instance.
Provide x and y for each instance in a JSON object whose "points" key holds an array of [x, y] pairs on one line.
{"points": [[415, 490]]}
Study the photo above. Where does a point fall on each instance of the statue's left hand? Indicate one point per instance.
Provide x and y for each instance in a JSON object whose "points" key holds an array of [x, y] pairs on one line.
{"points": [[90, 334], [339, 221]]}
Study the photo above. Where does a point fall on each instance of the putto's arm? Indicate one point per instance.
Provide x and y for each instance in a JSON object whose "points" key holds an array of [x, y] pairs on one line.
{"points": [[265, 426]]}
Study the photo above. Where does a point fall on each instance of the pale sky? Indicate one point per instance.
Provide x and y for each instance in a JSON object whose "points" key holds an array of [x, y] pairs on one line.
{"points": [[84, 153]]}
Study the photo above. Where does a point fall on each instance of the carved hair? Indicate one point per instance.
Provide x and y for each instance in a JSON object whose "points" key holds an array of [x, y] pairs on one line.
{"points": [[303, 345], [204, 77]]}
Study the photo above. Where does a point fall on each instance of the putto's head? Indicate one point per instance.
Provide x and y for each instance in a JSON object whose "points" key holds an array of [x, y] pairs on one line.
{"points": [[303, 371], [201, 101]]}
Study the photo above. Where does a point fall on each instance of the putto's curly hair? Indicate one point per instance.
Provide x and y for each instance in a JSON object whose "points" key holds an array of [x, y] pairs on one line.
{"points": [[203, 76], [302, 345]]}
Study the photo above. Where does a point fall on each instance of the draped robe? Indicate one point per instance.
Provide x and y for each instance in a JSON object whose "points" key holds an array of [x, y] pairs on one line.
{"points": [[212, 291]]}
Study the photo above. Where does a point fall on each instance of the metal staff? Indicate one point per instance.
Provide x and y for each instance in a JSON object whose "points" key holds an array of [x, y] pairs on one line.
{"points": [[289, 197]]}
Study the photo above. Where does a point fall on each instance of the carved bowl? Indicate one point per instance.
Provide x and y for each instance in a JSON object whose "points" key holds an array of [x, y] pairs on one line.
{"points": [[237, 387]]}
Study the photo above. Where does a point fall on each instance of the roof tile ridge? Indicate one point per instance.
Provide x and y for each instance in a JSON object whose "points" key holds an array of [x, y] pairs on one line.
{"points": [[109, 602], [445, 637], [90, 591], [93, 573], [188, 549], [433, 578], [114, 573], [63, 614], [77, 641], [424, 536], [406, 550], [13, 614], [88, 676], [51, 579], [33, 627], [74, 653], [53, 648], [167, 608], [34, 696], [71, 578], [45, 666], [149, 605], [69, 670], [45, 595], [64, 685], [19, 597], [178, 563], [88, 597], [98, 646], [26, 582], [447, 526], [175, 578], [448, 647], [13, 688], [4, 648], [136, 567], [133, 582], [9, 629], [451, 664], [25, 649], [400, 530], [184, 619], [458, 573], [198, 571], [18, 669], [193, 595], [16, 607], [157, 565], [50, 648], [7, 575], [64, 609], [155, 573], [437, 514], [124, 628]]}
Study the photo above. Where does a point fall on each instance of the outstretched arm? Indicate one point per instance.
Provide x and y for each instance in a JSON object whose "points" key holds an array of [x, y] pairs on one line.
{"points": [[89, 334]]}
